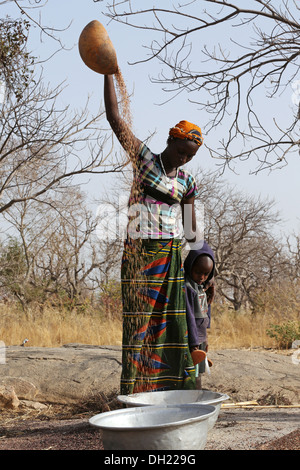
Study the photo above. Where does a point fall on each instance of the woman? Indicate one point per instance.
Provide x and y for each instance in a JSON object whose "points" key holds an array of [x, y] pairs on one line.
{"points": [[155, 352]]}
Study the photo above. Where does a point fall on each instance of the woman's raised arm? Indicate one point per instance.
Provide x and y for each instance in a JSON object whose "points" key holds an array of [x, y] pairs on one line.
{"points": [[120, 127]]}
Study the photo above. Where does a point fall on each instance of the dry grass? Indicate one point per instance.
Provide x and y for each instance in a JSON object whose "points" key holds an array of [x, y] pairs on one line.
{"points": [[229, 329], [247, 329], [53, 328]]}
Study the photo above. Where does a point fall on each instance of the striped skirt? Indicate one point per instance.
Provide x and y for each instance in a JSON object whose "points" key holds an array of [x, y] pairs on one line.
{"points": [[155, 353]]}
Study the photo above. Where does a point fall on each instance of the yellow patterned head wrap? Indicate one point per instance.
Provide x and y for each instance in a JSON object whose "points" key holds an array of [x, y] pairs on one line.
{"points": [[187, 130]]}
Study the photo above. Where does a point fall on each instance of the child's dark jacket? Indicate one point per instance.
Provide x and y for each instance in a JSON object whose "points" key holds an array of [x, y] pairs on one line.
{"points": [[196, 326]]}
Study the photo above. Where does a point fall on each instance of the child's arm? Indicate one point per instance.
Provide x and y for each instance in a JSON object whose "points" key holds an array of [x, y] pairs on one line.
{"points": [[191, 322]]}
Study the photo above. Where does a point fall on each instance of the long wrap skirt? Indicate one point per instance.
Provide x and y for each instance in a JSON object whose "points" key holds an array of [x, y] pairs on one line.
{"points": [[155, 352]]}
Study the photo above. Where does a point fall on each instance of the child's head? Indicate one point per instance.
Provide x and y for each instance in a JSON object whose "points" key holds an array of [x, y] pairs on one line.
{"points": [[201, 268]]}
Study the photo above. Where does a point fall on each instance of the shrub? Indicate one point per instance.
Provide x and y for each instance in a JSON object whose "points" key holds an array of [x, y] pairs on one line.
{"points": [[285, 333]]}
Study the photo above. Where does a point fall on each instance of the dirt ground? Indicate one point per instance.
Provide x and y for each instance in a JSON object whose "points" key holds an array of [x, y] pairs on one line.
{"points": [[269, 378], [252, 428]]}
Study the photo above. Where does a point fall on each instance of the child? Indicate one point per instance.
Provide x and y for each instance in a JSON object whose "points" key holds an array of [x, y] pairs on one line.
{"points": [[199, 268]]}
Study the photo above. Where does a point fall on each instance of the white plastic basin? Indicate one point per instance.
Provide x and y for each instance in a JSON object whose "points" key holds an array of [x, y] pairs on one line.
{"points": [[170, 427], [177, 397]]}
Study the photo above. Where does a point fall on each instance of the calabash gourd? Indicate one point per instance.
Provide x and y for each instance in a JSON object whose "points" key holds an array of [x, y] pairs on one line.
{"points": [[97, 50]]}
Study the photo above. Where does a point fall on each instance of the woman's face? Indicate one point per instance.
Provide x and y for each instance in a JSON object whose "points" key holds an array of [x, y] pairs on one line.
{"points": [[181, 151]]}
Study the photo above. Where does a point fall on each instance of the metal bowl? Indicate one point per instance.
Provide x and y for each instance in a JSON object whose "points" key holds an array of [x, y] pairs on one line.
{"points": [[170, 427], [177, 397]]}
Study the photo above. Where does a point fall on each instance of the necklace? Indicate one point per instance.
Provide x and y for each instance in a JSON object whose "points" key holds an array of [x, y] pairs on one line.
{"points": [[167, 180]]}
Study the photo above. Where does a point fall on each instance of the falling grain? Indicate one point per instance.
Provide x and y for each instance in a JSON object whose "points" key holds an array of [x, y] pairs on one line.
{"points": [[132, 287], [125, 102]]}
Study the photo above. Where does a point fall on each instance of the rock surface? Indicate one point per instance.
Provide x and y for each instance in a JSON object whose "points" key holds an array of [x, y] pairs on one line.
{"points": [[75, 373], [255, 375], [65, 375]]}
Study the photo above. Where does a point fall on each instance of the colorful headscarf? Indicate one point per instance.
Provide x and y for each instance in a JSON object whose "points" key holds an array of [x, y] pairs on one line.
{"points": [[187, 130]]}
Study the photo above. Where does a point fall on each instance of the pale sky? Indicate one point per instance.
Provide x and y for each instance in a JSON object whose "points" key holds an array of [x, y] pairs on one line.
{"points": [[281, 185]]}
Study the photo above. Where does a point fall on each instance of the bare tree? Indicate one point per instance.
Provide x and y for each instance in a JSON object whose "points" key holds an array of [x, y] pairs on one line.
{"points": [[51, 251], [240, 230], [42, 145], [31, 11], [257, 57], [293, 245]]}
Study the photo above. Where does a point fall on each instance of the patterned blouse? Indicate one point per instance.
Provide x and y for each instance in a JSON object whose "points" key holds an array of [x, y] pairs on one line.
{"points": [[154, 211]]}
